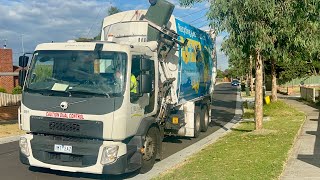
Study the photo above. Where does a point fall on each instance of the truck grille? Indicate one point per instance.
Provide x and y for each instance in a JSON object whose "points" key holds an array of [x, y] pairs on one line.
{"points": [[67, 127], [64, 126]]}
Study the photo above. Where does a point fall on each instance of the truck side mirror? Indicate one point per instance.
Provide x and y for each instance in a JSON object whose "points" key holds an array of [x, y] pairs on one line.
{"points": [[145, 64], [22, 77], [145, 83], [23, 61]]}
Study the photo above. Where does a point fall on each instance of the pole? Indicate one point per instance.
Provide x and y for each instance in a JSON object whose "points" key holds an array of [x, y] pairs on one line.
{"points": [[22, 43]]}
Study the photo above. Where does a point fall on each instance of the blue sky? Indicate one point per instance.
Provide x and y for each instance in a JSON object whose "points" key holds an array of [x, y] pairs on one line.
{"points": [[34, 21]]}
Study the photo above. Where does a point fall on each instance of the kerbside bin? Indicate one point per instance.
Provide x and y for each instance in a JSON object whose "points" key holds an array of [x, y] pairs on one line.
{"points": [[159, 14]]}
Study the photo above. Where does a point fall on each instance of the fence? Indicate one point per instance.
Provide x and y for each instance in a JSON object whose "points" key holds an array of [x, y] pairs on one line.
{"points": [[309, 94], [311, 80], [9, 99]]}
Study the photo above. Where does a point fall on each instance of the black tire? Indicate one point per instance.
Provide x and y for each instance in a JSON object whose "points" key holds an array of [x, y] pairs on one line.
{"points": [[204, 118], [197, 121], [150, 149]]}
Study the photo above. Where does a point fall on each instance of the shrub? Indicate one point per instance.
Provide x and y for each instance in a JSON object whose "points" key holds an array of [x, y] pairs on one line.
{"points": [[17, 90], [3, 90]]}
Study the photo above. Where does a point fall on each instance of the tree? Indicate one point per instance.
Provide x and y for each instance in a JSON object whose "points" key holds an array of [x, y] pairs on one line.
{"points": [[245, 21], [296, 40], [220, 74], [82, 39], [283, 32], [113, 10]]}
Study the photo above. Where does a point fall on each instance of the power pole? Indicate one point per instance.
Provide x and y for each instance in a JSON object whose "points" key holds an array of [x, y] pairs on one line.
{"points": [[22, 43]]}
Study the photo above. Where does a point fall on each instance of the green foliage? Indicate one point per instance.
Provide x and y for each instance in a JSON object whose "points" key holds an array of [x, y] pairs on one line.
{"points": [[189, 2], [220, 74], [43, 72], [113, 10], [82, 39], [17, 90], [98, 37], [284, 30], [3, 90]]}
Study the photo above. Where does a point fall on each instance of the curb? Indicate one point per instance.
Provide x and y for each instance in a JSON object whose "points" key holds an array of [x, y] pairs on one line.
{"points": [[291, 151], [9, 139], [179, 157], [6, 121]]}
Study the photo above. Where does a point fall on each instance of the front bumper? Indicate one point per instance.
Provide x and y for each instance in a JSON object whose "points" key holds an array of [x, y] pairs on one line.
{"points": [[120, 166]]}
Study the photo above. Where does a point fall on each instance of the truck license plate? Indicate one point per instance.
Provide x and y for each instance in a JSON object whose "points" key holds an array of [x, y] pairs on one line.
{"points": [[62, 148]]}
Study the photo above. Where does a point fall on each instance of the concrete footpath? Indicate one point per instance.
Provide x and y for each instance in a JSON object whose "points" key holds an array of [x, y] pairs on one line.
{"points": [[304, 160]]}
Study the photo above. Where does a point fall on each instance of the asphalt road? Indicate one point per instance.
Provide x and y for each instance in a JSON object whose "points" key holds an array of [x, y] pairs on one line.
{"points": [[11, 169]]}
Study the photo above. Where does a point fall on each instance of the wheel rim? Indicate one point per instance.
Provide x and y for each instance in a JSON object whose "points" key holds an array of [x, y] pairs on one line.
{"points": [[149, 148], [198, 122], [206, 117]]}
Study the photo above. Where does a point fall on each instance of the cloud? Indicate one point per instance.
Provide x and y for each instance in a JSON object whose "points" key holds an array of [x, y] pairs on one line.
{"points": [[35, 21], [46, 21]]}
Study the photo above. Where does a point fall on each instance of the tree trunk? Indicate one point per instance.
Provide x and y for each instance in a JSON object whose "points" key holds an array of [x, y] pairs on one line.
{"points": [[247, 79], [258, 95], [250, 76], [274, 81], [246, 83]]}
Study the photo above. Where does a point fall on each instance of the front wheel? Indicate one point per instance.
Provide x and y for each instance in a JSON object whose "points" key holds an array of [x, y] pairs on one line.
{"points": [[150, 149]]}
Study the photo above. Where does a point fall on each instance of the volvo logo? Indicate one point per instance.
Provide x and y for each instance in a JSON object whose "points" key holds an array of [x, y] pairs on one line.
{"points": [[64, 105]]}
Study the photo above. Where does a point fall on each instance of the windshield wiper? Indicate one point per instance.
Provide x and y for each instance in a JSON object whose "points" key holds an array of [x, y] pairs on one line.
{"points": [[47, 92], [85, 92]]}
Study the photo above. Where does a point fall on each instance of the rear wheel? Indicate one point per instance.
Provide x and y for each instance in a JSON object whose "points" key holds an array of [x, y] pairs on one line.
{"points": [[204, 118], [150, 150], [197, 121]]}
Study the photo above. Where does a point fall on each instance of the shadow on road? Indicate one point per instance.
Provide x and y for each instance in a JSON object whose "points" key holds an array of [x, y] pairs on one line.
{"points": [[66, 174], [174, 139], [82, 175]]}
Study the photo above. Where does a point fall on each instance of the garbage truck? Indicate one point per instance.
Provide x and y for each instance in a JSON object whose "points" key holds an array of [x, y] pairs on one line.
{"points": [[104, 107]]}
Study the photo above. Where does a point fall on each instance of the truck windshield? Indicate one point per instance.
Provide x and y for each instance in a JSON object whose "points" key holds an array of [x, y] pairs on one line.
{"points": [[75, 73]]}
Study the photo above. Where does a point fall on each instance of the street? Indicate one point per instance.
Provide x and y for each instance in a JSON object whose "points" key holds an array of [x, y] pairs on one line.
{"points": [[223, 111]]}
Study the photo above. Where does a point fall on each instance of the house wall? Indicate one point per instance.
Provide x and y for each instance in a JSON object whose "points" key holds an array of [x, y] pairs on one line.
{"points": [[6, 82]]}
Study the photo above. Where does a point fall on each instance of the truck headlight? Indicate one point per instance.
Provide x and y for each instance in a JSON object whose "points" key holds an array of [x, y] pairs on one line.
{"points": [[109, 154], [23, 143]]}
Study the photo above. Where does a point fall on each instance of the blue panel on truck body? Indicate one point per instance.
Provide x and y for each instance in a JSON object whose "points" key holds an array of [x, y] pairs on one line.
{"points": [[195, 62]]}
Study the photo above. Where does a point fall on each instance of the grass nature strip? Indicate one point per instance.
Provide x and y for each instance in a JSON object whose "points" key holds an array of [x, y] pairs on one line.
{"points": [[244, 153], [8, 129]]}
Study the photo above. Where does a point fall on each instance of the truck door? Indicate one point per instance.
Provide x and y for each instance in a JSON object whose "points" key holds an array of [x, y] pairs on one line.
{"points": [[141, 103], [138, 101]]}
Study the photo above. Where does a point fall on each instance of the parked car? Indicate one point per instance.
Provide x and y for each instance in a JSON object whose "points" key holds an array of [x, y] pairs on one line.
{"points": [[235, 82]]}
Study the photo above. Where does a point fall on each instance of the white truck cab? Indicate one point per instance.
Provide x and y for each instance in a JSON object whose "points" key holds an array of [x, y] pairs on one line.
{"points": [[104, 107]]}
